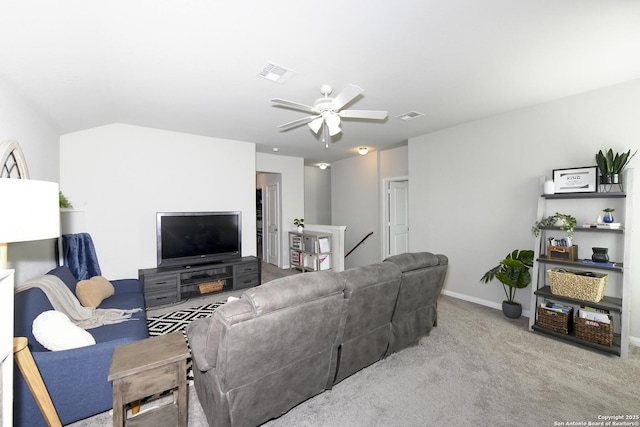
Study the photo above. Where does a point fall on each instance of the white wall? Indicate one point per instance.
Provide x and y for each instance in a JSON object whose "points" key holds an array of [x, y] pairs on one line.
{"points": [[292, 192], [355, 202], [317, 195], [475, 187], [394, 162], [39, 143], [121, 175], [356, 199]]}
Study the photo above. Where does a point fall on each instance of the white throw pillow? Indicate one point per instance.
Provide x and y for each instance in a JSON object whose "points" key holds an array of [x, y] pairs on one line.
{"points": [[55, 332]]}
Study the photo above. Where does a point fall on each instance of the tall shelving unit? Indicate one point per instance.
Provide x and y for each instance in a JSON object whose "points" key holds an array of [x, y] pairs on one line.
{"points": [[617, 298], [310, 251]]}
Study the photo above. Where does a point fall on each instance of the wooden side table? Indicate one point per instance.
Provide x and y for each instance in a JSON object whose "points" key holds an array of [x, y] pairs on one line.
{"points": [[143, 368]]}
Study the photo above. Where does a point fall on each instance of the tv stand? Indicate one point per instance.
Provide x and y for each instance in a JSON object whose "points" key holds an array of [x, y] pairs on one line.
{"points": [[168, 285]]}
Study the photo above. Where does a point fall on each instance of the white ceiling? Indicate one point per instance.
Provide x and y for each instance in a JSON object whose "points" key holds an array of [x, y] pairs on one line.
{"points": [[192, 66]]}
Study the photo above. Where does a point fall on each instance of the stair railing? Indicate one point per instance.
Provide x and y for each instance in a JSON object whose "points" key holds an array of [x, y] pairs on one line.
{"points": [[361, 242]]}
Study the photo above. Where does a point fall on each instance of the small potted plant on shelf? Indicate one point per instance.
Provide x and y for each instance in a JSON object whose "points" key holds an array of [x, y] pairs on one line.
{"points": [[563, 221], [299, 223], [608, 216], [64, 202], [513, 272], [612, 165]]}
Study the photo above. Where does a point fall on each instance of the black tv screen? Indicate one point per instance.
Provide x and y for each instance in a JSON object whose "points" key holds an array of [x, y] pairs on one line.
{"points": [[188, 238]]}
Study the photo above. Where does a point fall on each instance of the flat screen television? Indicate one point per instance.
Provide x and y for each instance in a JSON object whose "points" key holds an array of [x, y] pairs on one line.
{"points": [[188, 238]]}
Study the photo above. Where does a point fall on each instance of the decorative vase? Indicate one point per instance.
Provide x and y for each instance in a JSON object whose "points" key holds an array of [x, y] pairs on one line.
{"points": [[549, 187], [300, 229], [512, 310], [608, 217]]}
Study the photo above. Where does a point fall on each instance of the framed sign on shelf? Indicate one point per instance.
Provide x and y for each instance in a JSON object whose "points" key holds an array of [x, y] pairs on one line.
{"points": [[576, 180]]}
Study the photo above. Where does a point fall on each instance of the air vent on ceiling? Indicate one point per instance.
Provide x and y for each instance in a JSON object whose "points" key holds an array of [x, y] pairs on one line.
{"points": [[409, 116], [276, 73]]}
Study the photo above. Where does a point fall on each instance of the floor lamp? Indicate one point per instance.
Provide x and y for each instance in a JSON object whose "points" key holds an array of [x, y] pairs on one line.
{"points": [[29, 211]]}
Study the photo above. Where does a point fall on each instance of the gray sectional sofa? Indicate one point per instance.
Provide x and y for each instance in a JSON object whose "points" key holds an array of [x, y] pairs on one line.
{"points": [[290, 339]]}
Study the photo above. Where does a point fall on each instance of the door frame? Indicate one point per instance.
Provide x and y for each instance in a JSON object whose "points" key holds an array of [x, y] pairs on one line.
{"points": [[384, 232], [265, 223]]}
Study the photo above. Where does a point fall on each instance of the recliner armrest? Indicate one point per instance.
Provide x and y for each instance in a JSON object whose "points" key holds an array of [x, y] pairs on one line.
{"points": [[198, 334]]}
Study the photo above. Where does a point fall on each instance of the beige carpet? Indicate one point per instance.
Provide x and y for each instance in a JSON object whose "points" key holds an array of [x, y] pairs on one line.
{"points": [[477, 368]]}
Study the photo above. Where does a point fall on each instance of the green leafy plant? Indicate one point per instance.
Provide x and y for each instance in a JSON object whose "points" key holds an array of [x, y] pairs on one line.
{"points": [[608, 210], [604, 162], [513, 272], [64, 202], [563, 221], [610, 163], [621, 160], [298, 222]]}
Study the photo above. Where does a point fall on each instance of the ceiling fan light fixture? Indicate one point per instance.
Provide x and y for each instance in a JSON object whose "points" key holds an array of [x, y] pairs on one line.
{"points": [[316, 124], [276, 73], [333, 123]]}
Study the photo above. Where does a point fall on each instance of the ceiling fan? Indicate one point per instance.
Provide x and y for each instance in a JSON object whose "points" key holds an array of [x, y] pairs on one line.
{"points": [[326, 112]]}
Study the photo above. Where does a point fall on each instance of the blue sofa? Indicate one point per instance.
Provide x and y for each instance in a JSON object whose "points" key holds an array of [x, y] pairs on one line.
{"points": [[76, 379]]}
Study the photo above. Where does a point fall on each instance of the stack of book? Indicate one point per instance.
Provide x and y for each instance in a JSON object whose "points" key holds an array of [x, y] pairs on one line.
{"points": [[553, 306], [609, 225], [595, 315]]}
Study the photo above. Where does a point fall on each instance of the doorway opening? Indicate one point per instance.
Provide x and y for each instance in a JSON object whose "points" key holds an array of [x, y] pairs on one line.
{"points": [[269, 217], [396, 216]]}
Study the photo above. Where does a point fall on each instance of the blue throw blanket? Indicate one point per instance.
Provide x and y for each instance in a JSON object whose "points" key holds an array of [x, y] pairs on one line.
{"points": [[79, 255]]}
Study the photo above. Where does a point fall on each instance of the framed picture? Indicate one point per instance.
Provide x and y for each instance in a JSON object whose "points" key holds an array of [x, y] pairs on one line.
{"points": [[576, 180]]}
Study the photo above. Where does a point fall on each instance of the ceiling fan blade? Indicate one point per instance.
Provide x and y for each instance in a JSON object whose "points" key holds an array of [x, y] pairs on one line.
{"points": [[363, 114], [349, 93], [293, 105], [296, 123]]}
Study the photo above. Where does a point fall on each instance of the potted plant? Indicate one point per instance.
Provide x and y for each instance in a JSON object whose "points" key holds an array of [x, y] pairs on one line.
{"points": [[299, 223], [608, 216], [513, 273], [612, 165], [64, 202], [563, 221]]}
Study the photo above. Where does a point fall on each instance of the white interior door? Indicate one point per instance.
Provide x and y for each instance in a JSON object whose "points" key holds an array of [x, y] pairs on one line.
{"points": [[398, 217], [272, 220]]}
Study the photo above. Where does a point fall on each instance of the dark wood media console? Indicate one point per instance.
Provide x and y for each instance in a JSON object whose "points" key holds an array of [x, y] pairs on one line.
{"points": [[169, 285]]}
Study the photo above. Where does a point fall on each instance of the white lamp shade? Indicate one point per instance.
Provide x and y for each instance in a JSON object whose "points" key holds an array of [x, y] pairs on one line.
{"points": [[30, 210]]}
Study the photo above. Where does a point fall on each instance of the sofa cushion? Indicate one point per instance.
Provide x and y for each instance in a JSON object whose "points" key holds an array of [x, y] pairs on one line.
{"points": [[417, 260], [63, 273], [56, 332], [92, 292]]}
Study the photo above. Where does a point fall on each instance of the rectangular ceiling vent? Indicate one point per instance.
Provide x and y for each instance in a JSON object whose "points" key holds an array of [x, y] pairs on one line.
{"points": [[276, 73], [409, 116]]}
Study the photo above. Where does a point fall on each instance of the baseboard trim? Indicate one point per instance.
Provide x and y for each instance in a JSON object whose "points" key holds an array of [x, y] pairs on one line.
{"points": [[633, 340], [486, 303]]}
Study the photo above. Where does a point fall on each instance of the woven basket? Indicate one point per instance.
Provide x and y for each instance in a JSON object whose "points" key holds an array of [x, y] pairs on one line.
{"points": [[214, 286], [574, 284], [590, 330], [555, 321]]}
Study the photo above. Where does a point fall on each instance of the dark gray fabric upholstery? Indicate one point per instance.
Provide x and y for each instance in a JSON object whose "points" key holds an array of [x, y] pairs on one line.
{"points": [[274, 348], [370, 294], [415, 313], [290, 339]]}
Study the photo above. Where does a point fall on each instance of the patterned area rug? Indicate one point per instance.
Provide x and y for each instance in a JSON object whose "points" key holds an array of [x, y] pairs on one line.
{"points": [[178, 321]]}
